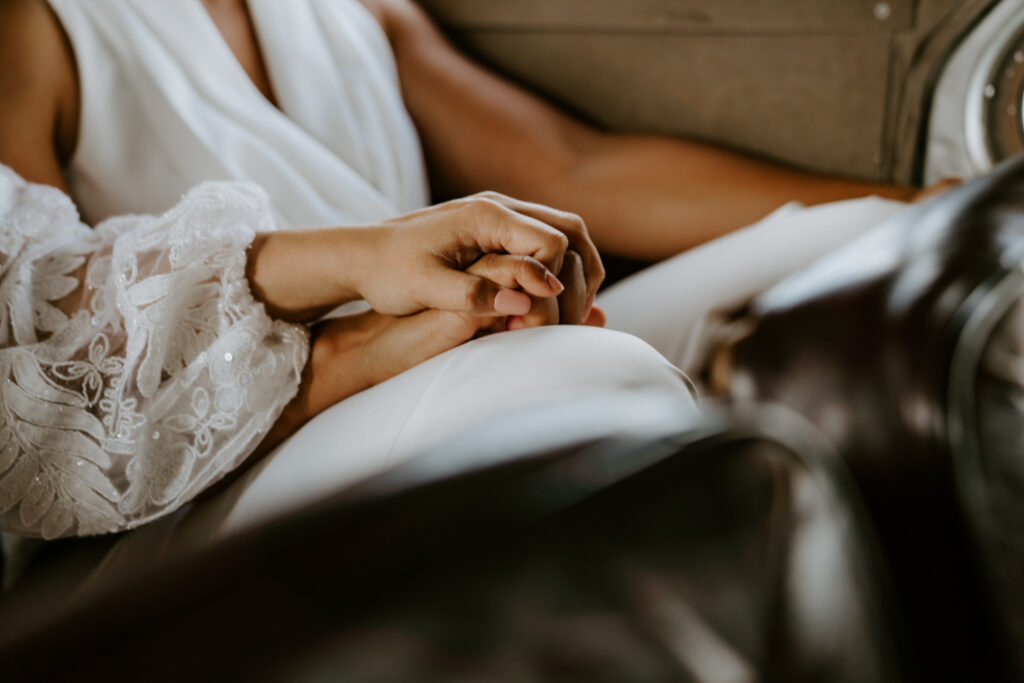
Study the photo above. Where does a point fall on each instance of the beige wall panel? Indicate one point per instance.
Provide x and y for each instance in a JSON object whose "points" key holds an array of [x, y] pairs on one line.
{"points": [[814, 101], [831, 16]]}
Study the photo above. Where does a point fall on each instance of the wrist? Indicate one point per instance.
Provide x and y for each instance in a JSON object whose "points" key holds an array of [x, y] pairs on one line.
{"points": [[337, 366], [301, 275], [363, 247]]}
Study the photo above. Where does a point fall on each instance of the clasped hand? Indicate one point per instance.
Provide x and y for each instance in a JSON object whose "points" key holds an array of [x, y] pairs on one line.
{"points": [[487, 255], [435, 278]]}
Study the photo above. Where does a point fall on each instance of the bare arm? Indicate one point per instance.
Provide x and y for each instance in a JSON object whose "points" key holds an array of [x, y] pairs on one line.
{"points": [[38, 92], [641, 196]]}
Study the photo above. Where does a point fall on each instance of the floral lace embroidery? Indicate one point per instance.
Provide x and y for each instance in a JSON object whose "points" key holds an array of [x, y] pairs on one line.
{"points": [[162, 379]]}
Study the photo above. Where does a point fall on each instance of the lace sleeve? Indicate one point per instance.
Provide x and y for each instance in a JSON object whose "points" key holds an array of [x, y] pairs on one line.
{"points": [[162, 380]]}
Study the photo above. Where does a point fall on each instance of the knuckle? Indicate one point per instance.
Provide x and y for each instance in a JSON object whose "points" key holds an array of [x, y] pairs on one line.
{"points": [[489, 262], [472, 294], [525, 267], [488, 266], [475, 204], [560, 241], [576, 223], [486, 206]]}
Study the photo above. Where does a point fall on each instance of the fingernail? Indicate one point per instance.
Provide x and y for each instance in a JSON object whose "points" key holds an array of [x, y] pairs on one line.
{"points": [[589, 307], [511, 302], [553, 283]]}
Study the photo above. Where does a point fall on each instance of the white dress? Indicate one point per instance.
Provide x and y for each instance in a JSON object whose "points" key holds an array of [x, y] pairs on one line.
{"points": [[166, 106], [162, 379]]}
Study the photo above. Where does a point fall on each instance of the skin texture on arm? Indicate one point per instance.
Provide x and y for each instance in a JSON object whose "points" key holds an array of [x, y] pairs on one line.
{"points": [[38, 92], [641, 196]]}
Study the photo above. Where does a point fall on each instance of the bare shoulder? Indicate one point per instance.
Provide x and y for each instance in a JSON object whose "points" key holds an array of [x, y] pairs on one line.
{"points": [[34, 53], [38, 85], [396, 16]]}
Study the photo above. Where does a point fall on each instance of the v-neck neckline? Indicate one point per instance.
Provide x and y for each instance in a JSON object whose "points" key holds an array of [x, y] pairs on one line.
{"points": [[274, 101]]}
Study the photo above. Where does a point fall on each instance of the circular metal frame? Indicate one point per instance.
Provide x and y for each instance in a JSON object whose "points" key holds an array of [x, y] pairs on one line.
{"points": [[959, 141]]}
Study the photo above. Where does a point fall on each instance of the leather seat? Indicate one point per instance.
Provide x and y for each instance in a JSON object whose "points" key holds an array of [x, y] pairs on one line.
{"points": [[727, 548], [881, 344]]}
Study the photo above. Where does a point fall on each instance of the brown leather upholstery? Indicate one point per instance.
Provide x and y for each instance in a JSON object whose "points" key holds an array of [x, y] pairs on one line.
{"points": [[862, 343], [731, 547]]}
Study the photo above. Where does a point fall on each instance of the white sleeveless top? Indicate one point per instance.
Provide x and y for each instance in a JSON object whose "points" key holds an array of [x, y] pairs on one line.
{"points": [[166, 105]]}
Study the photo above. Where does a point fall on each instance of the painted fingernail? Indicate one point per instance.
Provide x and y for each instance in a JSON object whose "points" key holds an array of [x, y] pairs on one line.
{"points": [[511, 302], [553, 283]]}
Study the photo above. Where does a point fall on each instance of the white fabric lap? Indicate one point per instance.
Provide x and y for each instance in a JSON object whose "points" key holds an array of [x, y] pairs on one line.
{"points": [[680, 305], [402, 418], [405, 416]]}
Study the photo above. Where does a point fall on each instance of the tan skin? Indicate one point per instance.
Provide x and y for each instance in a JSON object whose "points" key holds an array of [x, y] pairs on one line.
{"points": [[641, 196]]}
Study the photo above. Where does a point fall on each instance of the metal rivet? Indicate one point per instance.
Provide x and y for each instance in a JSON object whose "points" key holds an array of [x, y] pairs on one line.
{"points": [[989, 91], [228, 357], [156, 435], [882, 11]]}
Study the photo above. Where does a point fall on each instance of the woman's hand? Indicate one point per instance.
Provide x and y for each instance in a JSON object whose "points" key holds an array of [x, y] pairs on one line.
{"points": [[419, 261], [525, 246]]}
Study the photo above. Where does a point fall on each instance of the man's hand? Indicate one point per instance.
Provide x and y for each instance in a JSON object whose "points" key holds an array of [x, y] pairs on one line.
{"points": [[574, 306], [356, 352]]}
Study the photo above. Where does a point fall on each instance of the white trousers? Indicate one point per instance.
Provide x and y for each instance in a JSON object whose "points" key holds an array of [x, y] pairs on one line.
{"points": [[674, 306], [678, 305]]}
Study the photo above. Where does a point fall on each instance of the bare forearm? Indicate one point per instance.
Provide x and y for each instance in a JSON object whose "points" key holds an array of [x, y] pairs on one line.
{"points": [[651, 197], [302, 275], [641, 196]]}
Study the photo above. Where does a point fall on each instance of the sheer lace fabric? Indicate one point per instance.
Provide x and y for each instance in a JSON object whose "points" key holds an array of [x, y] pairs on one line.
{"points": [[162, 378]]}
